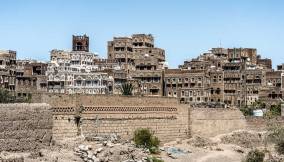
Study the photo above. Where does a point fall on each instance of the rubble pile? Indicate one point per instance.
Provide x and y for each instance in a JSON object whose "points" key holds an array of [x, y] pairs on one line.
{"points": [[6, 157], [107, 149], [201, 142], [243, 138]]}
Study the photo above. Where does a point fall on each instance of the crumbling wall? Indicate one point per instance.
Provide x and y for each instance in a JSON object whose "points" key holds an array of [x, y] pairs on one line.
{"points": [[104, 115], [25, 126], [209, 122], [262, 124]]}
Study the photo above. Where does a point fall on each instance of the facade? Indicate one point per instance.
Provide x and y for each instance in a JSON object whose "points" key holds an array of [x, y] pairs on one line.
{"points": [[222, 76], [72, 72], [127, 50], [272, 92], [254, 81], [139, 60], [242, 54], [190, 86], [216, 86], [265, 63], [30, 78], [8, 70]]}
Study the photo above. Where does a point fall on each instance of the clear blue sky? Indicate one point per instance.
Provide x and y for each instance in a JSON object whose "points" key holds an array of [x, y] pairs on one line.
{"points": [[184, 28]]}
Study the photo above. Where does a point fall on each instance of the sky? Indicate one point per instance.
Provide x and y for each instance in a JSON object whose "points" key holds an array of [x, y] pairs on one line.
{"points": [[184, 28]]}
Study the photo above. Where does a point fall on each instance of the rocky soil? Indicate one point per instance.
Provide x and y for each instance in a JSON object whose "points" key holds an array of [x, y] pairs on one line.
{"points": [[231, 147]]}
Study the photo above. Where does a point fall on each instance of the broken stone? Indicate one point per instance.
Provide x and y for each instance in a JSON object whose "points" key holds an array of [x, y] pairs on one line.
{"points": [[99, 150]]}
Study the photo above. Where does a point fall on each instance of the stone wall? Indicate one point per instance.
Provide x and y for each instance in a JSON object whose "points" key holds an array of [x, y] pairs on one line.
{"points": [[261, 124], [25, 126], [210, 122], [103, 115]]}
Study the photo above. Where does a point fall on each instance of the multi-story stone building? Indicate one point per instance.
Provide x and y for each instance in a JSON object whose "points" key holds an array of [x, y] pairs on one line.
{"points": [[128, 49], [272, 92], [140, 60], [265, 63], [234, 76], [242, 54], [233, 84], [216, 86], [254, 81], [74, 71], [190, 86], [8, 70], [30, 78]]}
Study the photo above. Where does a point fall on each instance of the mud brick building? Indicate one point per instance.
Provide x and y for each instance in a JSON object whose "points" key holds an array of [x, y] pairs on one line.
{"points": [[216, 86], [254, 81], [190, 86], [74, 71], [8, 70], [264, 62], [242, 54], [30, 78], [234, 77], [141, 61], [272, 92], [128, 49]]}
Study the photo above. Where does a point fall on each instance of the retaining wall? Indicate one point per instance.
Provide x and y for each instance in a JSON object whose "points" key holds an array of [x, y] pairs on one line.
{"points": [[25, 126], [104, 115], [209, 122]]}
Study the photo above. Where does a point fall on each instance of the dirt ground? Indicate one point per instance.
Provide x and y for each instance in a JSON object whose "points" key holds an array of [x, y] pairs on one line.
{"points": [[231, 147]]}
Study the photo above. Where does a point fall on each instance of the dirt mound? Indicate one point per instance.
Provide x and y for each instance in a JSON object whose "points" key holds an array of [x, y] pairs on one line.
{"points": [[198, 141], [243, 138]]}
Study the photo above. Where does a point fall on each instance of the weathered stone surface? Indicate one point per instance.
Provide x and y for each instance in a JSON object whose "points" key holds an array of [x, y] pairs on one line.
{"points": [[211, 122], [25, 126]]}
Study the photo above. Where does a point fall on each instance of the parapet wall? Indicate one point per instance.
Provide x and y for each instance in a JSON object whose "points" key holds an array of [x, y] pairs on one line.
{"points": [[25, 126], [209, 122], [78, 100], [103, 115]]}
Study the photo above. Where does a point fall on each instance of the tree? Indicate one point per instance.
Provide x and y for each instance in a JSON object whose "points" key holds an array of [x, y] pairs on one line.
{"points": [[126, 89]]}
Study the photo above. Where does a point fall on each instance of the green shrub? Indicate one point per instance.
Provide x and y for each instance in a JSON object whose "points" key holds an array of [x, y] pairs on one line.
{"points": [[5, 96], [280, 147], [144, 138], [275, 110], [154, 150], [247, 111], [255, 156]]}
